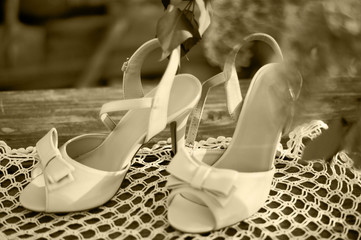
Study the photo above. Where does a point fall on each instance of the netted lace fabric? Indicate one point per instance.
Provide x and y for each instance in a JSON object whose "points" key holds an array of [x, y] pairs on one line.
{"points": [[308, 200]]}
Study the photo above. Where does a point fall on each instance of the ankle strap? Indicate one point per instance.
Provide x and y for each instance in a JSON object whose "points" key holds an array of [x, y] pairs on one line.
{"points": [[270, 41], [132, 84], [233, 90], [133, 90], [229, 77]]}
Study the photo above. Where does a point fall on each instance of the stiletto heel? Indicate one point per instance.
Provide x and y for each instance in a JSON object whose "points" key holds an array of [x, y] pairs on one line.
{"points": [[173, 136], [88, 170], [206, 198], [178, 130]]}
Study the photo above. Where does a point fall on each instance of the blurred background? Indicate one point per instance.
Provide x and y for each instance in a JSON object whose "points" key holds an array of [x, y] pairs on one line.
{"points": [[83, 43], [79, 43]]}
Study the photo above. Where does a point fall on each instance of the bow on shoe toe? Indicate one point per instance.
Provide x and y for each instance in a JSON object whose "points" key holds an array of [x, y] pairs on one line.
{"points": [[217, 184], [57, 171], [62, 184], [205, 198]]}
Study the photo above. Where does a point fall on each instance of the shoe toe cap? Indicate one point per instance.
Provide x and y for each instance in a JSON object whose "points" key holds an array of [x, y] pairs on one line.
{"points": [[33, 195]]}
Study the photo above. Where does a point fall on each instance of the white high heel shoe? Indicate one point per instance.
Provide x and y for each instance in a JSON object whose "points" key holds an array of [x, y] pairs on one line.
{"points": [[88, 170], [234, 99], [237, 184]]}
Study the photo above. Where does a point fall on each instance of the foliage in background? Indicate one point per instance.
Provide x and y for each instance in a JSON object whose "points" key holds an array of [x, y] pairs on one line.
{"points": [[233, 20], [319, 37], [183, 23]]}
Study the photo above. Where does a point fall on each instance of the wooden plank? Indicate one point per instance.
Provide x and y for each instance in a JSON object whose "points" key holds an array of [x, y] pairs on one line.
{"points": [[25, 116]]}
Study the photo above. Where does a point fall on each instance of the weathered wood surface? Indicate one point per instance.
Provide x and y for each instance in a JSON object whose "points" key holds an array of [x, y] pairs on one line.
{"points": [[25, 116]]}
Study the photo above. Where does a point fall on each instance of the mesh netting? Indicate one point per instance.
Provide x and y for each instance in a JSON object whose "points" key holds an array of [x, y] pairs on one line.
{"points": [[308, 200]]}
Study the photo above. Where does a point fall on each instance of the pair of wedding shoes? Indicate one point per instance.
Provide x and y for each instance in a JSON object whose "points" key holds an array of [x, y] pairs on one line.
{"points": [[209, 191]]}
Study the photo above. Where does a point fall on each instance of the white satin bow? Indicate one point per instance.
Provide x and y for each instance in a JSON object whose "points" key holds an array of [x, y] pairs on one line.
{"points": [[56, 170], [186, 172]]}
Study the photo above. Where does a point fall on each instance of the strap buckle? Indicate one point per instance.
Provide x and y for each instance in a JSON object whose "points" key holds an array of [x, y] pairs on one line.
{"points": [[125, 65]]}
